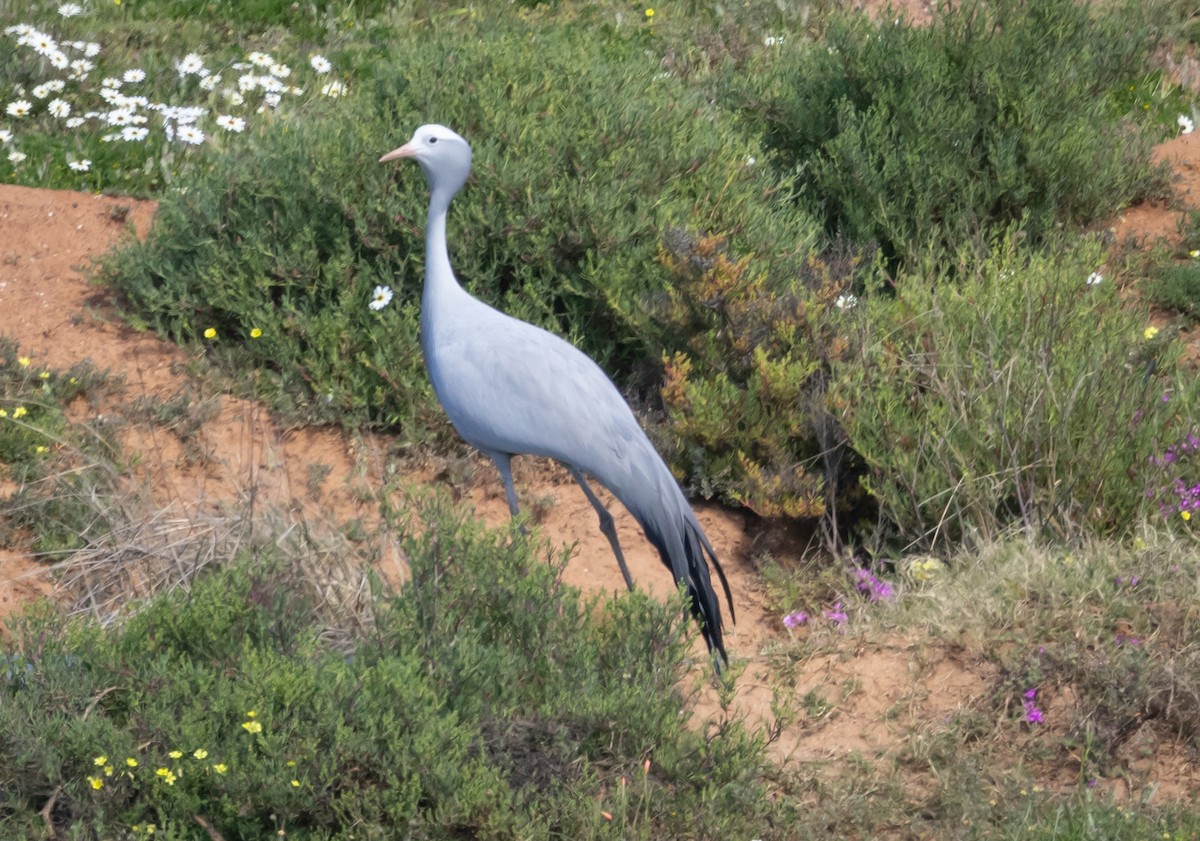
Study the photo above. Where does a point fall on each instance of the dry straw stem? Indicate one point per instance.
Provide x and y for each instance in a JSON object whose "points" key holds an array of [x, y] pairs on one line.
{"points": [[149, 551]]}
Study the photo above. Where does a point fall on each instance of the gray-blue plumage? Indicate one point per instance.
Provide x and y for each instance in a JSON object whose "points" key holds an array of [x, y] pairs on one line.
{"points": [[511, 388]]}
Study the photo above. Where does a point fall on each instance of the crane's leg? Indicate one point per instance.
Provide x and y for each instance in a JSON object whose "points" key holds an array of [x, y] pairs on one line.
{"points": [[607, 526], [503, 463]]}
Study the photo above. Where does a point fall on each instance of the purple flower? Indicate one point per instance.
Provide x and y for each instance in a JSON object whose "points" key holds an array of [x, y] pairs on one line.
{"points": [[795, 619], [872, 587], [1032, 714], [836, 615]]}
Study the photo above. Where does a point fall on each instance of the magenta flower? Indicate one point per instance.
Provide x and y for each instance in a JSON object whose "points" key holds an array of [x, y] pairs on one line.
{"points": [[872, 587], [836, 615], [795, 619], [1032, 714]]}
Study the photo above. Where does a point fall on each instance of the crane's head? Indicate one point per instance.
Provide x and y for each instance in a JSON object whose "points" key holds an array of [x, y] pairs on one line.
{"points": [[445, 156]]}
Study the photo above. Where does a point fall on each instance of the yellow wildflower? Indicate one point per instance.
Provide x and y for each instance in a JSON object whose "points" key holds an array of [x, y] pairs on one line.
{"points": [[255, 333], [131, 762], [1150, 332], [649, 13], [19, 412], [3, 413], [295, 784], [96, 782], [45, 375], [1187, 515], [175, 754], [100, 761], [200, 753], [220, 768], [252, 726], [23, 361], [210, 333]]}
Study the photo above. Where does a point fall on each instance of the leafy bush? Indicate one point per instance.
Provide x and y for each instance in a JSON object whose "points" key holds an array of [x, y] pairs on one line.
{"points": [[1177, 288], [1027, 394], [487, 700], [561, 226], [51, 471], [745, 397], [926, 139]]}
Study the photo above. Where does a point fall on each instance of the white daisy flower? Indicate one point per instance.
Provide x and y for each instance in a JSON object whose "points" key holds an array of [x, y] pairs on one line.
{"points": [[74, 122], [19, 108], [1186, 126], [234, 97], [135, 75], [260, 59], [59, 108], [773, 40], [91, 50], [16, 157], [191, 64], [40, 92], [190, 134], [295, 91], [333, 89], [209, 83], [135, 133], [59, 60], [20, 30], [247, 82], [231, 123], [5, 135], [70, 10], [80, 67], [272, 99], [381, 298], [1095, 279], [280, 71], [320, 64], [845, 302], [42, 44], [80, 166], [182, 114], [110, 83], [120, 117]]}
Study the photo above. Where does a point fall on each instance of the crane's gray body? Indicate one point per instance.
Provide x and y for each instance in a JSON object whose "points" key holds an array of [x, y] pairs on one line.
{"points": [[512, 388]]}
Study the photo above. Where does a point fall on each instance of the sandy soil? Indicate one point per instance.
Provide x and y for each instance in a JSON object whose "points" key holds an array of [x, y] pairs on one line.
{"points": [[240, 455]]}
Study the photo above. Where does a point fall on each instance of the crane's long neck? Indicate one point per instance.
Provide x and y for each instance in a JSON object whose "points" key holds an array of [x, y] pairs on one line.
{"points": [[441, 288]]}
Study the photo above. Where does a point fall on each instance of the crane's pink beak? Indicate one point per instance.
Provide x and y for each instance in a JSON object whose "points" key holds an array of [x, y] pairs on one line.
{"points": [[408, 150]]}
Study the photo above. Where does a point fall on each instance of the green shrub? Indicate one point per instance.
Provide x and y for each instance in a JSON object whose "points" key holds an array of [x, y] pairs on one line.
{"points": [[584, 156], [1025, 394], [745, 397], [486, 700], [52, 472], [1178, 288], [928, 139]]}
